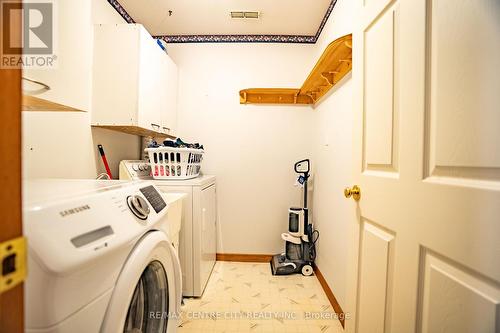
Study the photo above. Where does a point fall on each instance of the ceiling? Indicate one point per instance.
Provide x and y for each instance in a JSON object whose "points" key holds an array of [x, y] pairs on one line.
{"points": [[212, 17]]}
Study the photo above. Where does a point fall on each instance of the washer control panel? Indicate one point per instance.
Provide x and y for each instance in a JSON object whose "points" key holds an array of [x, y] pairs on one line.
{"points": [[154, 198]]}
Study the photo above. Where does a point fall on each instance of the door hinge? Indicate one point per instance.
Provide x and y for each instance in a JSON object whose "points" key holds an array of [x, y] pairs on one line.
{"points": [[13, 257]]}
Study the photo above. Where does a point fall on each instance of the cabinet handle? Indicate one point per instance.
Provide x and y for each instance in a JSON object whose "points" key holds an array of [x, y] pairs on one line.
{"points": [[155, 126], [166, 129]]}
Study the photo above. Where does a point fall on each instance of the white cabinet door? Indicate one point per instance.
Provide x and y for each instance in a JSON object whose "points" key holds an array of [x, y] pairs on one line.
{"points": [[169, 120], [116, 75], [164, 93], [208, 231], [150, 83], [71, 80]]}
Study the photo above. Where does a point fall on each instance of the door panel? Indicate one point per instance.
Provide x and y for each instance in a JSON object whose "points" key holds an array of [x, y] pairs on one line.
{"points": [[455, 298], [375, 267], [463, 91], [371, 9], [380, 105]]}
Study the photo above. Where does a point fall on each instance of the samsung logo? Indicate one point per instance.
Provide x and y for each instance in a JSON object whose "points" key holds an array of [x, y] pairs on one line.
{"points": [[74, 210]]}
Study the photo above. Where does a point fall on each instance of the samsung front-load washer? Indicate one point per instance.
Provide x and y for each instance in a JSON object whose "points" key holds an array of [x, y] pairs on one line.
{"points": [[198, 236], [98, 258]]}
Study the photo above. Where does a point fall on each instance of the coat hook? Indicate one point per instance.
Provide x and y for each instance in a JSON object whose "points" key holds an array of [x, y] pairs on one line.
{"points": [[329, 77]]}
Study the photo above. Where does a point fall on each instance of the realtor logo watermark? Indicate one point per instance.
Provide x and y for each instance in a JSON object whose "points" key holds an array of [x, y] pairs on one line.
{"points": [[35, 45]]}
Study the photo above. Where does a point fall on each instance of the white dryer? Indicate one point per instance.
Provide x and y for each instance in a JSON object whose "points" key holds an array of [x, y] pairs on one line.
{"points": [[198, 237], [98, 258]]}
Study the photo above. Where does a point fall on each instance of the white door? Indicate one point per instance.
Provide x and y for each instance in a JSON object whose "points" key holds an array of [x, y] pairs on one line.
{"points": [[426, 241]]}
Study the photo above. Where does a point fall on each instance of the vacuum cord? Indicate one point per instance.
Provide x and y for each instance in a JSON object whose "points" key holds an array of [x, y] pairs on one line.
{"points": [[313, 236]]}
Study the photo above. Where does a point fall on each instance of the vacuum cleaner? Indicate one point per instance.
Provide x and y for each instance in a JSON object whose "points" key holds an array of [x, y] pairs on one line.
{"points": [[301, 238]]}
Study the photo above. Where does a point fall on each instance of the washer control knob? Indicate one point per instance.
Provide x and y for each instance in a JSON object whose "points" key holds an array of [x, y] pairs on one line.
{"points": [[138, 206]]}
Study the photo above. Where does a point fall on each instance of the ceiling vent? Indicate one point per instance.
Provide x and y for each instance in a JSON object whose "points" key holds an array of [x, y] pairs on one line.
{"points": [[245, 15]]}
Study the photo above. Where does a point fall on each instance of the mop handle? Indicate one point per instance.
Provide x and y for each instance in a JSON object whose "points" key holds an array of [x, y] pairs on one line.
{"points": [[104, 161]]}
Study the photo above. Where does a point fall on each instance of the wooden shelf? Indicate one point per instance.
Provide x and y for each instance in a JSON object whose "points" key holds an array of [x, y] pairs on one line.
{"points": [[135, 130], [334, 64], [32, 103]]}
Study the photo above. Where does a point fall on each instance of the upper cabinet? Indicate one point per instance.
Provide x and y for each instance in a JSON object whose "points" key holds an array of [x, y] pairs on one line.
{"points": [[70, 80], [134, 82]]}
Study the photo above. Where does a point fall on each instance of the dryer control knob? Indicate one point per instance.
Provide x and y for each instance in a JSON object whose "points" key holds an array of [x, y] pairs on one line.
{"points": [[138, 206]]}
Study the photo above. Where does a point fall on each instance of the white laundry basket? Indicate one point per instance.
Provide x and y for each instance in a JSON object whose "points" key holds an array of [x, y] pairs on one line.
{"points": [[175, 163]]}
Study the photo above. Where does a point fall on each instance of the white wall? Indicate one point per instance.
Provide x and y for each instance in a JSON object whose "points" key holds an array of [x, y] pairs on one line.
{"points": [[62, 145], [251, 148], [332, 146]]}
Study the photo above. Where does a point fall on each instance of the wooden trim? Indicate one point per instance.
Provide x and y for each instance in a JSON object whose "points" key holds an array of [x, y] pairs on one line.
{"points": [[32, 103], [11, 301], [244, 257], [331, 297]]}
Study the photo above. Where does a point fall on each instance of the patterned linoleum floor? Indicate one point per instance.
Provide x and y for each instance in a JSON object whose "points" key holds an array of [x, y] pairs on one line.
{"points": [[246, 297]]}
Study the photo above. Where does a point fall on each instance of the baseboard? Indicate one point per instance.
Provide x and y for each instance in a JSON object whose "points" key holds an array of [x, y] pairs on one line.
{"points": [[331, 297], [243, 257]]}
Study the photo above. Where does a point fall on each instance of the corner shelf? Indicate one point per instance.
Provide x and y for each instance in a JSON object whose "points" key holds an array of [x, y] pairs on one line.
{"points": [[334, 64], [135, 130], [35, 104]]}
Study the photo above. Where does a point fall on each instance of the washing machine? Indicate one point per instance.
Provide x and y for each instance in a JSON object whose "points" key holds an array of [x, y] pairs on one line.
{"points": [[99, 259], [198, 236]]}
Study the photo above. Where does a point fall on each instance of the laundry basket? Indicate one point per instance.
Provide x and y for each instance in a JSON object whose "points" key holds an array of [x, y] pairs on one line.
{"points": [[175, 163]]}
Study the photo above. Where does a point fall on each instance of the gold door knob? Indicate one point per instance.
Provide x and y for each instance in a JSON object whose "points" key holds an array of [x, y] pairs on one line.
{"points": [[354, 192]]}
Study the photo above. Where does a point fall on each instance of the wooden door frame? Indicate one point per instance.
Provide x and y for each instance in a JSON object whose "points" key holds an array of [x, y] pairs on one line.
{"points": [[12, 301]]}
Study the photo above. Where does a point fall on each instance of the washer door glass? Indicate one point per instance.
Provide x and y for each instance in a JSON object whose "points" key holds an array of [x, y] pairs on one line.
{"points": [[148, 310]]}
